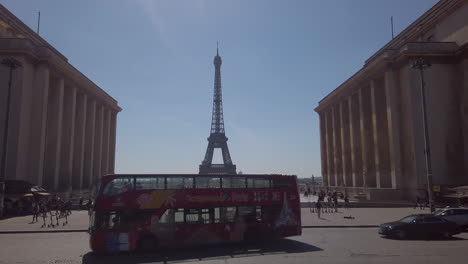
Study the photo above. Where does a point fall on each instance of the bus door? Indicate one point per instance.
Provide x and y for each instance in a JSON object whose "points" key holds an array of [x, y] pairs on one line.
{"points": [[168, 227], [198, 228]]}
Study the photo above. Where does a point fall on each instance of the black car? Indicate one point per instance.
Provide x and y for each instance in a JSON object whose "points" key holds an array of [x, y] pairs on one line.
{"points": [[422, 225]]}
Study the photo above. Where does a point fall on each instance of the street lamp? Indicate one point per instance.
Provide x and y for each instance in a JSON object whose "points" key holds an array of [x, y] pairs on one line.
{"points": [[421, 64], [12, 64]]}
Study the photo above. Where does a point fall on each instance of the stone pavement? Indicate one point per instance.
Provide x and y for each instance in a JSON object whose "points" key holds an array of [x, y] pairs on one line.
{"points": [[79, 220], [362, 216]]}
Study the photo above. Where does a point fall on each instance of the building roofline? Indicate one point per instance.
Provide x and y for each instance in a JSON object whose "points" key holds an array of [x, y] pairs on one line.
{"points": [[15, 22], [437, 12], [37, 40]]}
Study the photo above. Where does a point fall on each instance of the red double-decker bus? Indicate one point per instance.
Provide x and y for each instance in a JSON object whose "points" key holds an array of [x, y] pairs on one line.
{"points": [[145, 212]]}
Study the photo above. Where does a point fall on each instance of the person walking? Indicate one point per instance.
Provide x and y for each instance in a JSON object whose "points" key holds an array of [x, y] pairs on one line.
{"points": [[43, 213], [418, 200], [335, 203], [346, 202], [80, 204], [318, 206], [35, 212], [89, 205]]}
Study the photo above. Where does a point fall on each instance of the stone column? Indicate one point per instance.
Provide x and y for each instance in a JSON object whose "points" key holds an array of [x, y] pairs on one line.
{"points": [[375, 133], [391, 91], [342, 145], [351, 141], [98, 143], [40, 93], [331, 148], [112, 142], [105, 142], [364, 139], [68, 136], [356, 139], [464, 114], [89, 142], [54, 135], [80, 139], [323, 148], [18, 137], [336, 146], [345, 143], [381, 129]]}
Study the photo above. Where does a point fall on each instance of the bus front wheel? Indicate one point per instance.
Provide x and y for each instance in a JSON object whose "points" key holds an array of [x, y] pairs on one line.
{"points": [[147, 244]]}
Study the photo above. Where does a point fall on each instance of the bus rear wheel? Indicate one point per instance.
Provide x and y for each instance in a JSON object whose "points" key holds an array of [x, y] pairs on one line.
{"points": [[147, 244]]}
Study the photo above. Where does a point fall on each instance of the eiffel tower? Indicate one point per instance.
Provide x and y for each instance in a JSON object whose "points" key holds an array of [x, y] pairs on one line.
{"points": [[217, 137]]}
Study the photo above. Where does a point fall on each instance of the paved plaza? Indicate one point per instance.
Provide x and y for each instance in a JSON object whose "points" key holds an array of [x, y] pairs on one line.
{"points": [[320, 245], [79, 220], [321, 242]]}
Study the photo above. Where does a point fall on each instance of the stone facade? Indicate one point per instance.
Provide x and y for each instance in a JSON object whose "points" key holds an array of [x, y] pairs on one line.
{"points": [[371, 126], [62, 126]]}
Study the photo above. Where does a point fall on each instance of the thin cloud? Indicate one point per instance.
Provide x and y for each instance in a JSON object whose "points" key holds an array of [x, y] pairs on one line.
{"points": [[164, 14]]}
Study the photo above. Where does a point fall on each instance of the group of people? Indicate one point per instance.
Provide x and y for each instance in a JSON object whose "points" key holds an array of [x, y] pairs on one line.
{"points": [[53, 208], [328, 203], [421, 203]]}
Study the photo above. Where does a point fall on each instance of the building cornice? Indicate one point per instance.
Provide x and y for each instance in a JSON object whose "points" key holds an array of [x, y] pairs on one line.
{"points": [[18, 46], [29, 43], [402, 46], [22, 30], [375, 68], [413, 32]]}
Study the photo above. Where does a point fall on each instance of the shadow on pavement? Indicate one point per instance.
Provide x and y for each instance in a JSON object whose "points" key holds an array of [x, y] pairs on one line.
{"points": [[282, 246], [454, 238]]}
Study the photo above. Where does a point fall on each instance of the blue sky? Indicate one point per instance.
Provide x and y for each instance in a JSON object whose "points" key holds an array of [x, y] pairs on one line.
{"points": [[279, 59]]}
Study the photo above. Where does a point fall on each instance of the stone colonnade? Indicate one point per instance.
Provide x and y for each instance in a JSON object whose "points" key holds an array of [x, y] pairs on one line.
{"points": [[358, 137], [62, 129]]}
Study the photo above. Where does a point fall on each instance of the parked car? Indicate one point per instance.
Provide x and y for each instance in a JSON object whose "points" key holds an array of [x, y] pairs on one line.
{"points": [[422, 225], [456, 215]]}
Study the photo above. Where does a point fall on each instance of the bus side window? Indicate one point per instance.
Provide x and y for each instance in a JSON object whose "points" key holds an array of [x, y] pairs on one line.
{"points": [[167, 217], [179, 183], [149, 183], [113, 220], [233, 182], [258, 183], [118, 186], [204, 216], [207, 182], [179, 215], [216, 215], [192, 216], [271, 212], [247, 213], [258, 213], [281, 183], [227, 214]]}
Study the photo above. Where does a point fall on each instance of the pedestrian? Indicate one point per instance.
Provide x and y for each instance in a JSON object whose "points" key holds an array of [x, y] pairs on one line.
{"points": [[35, 212], [317, 207], [335, 203], [89, 205], [80, 203], [426, 203], [346, 202], [418, 200], [43, 213]]}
